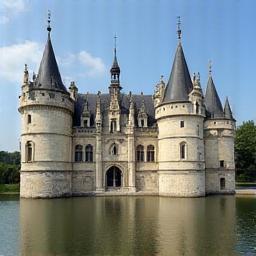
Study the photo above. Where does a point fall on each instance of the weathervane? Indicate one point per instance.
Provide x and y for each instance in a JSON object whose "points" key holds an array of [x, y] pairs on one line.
{"points": [[49, 21], [115, 37], [178, 27], [210, 67]]}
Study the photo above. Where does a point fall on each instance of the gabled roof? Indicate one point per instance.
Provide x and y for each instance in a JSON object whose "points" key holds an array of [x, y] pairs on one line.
{"points": [[179, 84], [227, 110], [212, 100], [48, 75]]}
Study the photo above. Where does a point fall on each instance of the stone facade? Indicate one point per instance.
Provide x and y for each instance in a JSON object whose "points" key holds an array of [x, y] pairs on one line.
{"points": [[175, 142]]}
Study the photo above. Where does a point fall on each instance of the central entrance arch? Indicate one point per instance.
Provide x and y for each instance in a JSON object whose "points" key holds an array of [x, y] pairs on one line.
{"points": [[114, 177]]}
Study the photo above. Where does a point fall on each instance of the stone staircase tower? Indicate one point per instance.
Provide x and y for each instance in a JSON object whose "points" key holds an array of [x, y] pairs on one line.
{"points": [[219, 128]]}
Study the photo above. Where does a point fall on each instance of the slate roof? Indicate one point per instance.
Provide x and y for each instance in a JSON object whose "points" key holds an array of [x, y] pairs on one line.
{"points": [[227, 110], [115, 67], [48, 75], [179, 84], [105, 101], [212, 101]]}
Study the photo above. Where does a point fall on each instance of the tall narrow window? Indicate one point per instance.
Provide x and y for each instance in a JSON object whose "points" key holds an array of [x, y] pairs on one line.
{"points": [[78, 153], [222, 183], [183, 150], [113, 126], [86, 123], [114, 149], [29, 151], [140, 153], [150, 153], [89, 153], [181, 124], [142, 122], [221, 163], [197, 108], [29, 119]]}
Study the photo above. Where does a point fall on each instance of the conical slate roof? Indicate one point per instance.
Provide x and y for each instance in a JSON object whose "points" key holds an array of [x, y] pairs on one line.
{"points": [[227, 110], [179, 84], [212, 100], [48, 75], [115, 67]]}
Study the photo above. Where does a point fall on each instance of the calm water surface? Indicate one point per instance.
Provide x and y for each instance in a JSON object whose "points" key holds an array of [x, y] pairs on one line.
{"points": [[218, 225]]}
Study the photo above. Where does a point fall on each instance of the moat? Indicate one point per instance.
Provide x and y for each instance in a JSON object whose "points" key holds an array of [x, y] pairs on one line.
{"points": [[216, 225]]}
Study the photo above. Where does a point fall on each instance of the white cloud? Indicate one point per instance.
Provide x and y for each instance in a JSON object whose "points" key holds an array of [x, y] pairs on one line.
{"points": [[14, 5], [95, 65], [10, 8], [14, 57], [88, 64]]}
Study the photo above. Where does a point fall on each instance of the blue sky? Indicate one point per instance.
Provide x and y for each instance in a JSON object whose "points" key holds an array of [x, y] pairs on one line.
{"points": [[82, 36]]}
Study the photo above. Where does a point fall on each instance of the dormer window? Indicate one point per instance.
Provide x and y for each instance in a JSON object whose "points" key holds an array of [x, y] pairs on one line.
{"points": [[85, 122], [113, 126], [142, 122]]}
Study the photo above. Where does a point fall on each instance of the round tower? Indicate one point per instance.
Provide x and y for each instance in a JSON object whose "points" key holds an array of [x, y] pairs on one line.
{"points": [[46, 136], [180, 118], [219, 130]]}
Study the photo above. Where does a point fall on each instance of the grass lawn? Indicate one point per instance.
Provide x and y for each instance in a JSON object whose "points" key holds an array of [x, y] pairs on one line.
{"points": [[9, 188]]}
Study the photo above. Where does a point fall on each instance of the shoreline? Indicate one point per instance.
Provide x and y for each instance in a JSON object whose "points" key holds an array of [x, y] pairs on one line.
{"points": [[251, 191]]}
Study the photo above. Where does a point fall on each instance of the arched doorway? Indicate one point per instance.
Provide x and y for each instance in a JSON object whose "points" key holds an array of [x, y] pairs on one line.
{"points": [[114, 177]]}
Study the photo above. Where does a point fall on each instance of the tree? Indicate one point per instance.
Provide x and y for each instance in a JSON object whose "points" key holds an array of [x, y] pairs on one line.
{"points": [[245, 151], [9, 167]]}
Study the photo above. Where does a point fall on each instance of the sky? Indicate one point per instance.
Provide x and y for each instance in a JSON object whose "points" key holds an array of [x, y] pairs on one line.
{"points": [[83, 39]]}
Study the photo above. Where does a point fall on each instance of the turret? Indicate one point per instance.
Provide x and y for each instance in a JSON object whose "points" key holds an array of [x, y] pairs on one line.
{"points": [[46, 138], [180, 118], [219, 143], [114, 114]]}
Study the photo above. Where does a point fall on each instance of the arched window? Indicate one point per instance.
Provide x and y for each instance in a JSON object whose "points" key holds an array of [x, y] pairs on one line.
{"points": [[150, 153], [222, 183], [183, 150], [140, 153], [78, 153], [89, 153], [114, 149], [29, 151]]}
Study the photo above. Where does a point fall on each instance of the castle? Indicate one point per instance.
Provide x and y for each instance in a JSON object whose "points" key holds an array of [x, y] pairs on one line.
{"points": [[177, 142]]}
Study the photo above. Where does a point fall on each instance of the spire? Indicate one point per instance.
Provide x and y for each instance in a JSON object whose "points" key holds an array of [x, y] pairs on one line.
{"points": [[227, 110], [115, 69], [179, 84], [212, 100], [48, 75]]}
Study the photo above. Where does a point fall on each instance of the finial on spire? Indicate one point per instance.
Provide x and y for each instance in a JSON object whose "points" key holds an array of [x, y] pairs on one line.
{"points": [[178, 27], [49, 22], [210, 67], [115, 37]]}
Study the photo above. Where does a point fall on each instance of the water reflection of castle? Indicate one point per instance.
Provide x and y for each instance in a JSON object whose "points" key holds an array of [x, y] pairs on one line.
{"points": [[128, 226], [176, 142]]}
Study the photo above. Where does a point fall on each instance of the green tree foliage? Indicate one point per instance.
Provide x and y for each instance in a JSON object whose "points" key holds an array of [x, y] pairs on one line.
{"points": [[9, 167], [245, 151]]}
